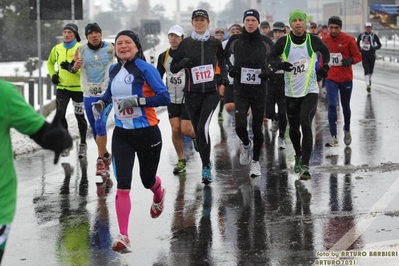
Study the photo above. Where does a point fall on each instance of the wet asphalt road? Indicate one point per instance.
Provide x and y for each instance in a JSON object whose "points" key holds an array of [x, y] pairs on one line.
{"points": [[349, 204]]}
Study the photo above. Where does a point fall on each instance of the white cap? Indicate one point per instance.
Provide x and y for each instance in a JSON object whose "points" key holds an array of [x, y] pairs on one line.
{"points": [[176, 29], [368, 24]]}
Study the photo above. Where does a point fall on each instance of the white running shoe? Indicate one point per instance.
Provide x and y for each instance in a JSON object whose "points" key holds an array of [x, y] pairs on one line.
{"points": [[255, 169], [121, 244], [333, 142], [281, 143], [245, 156]]}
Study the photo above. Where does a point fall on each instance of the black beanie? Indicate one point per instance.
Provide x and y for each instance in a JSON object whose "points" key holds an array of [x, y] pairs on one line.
{"points": [[251, 12], [74, 29], [136, 40], [92, 27], [335, 20]]}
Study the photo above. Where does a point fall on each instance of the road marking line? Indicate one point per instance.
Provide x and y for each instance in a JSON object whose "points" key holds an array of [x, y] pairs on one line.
{"points": [[360, 227]]}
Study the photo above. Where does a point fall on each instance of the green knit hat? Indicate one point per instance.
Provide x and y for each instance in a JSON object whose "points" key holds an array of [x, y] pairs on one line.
{"points": [[297, 14]]}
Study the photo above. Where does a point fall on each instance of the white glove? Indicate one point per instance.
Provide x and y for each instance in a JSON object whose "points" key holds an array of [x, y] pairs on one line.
{"points": [[128, 103], [97, 108]]}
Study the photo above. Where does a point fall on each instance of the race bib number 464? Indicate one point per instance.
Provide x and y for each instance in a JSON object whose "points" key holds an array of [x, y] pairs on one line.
{"points": [[202, 74]]}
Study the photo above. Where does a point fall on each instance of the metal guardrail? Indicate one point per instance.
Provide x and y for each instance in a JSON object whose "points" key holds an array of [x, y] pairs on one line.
{"points": [[388, 54]]}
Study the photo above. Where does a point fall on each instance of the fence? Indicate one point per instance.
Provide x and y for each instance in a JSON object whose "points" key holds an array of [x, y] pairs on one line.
{"points": [[43, 101]]}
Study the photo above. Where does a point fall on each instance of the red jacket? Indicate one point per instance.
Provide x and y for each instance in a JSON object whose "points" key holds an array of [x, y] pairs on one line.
{"points": [[345, 45]]}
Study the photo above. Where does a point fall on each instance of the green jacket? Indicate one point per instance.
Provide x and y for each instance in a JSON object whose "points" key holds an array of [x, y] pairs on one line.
{"points": [[14, 113], [68, 81]]}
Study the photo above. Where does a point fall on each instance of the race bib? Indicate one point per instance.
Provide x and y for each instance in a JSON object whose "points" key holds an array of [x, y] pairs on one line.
{"points": [[202, 74], [250, 76], [366, 45], [300, 67], [128, 113], [177, 80], [335, 59], [95, 90]]}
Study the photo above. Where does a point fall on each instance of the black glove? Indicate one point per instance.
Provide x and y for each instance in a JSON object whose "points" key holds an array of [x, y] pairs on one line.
{"points": [[234, 72], [57, 139], [186, 63], [265, 74], [347, 62], [68, 66], [286, 66], [323, 71], [221, 81], [55, 79]]}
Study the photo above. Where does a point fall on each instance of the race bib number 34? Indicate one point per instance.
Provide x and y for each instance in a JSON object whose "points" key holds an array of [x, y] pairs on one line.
{"points": [[202, 74], [250, 76]]}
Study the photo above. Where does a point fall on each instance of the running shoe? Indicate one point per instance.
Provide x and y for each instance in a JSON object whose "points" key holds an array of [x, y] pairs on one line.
{"points": [[245, 156], [100, 166], [220, 117], [82, 150], [274, 127], [281, 143], [255, 169], [157, 208], [180, 167], [107, 162], [333, 142], [298, 164], [347, 137], [121, 244], [305, 174], [65, 153], [368, 88], [207, 177]]}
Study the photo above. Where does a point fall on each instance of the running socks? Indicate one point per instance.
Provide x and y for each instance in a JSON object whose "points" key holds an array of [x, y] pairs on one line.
{"points": [[157, 190], [123, 206]]}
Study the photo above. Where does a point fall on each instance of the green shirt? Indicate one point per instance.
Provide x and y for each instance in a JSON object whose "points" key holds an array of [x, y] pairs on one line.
{"points": [[16, 113]]}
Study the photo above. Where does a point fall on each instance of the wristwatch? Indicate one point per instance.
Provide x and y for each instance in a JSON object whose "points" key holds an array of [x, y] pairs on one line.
{"points": [[142, 101]]}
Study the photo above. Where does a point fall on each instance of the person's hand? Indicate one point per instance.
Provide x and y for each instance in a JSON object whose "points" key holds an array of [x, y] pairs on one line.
{"points": [[234, 72], [78, 64], [186, 63], [322, 72], [57, 139], [68, 66], [97, 108], [286, 66], [55, 79], [129, 102], [347, 62], [265, 74], [221, 81], [225, 82]]}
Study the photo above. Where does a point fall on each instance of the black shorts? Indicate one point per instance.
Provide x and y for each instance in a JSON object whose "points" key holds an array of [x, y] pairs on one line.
{"points": [[178, 110], [229, 94]]}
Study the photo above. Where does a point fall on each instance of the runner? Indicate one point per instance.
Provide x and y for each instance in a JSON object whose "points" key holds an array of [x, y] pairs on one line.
{"points": [[201, 57], [250, 50], [67, 80], [178, 116], [93, 60], [368, 42], [301, 89], [16, 113]]}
